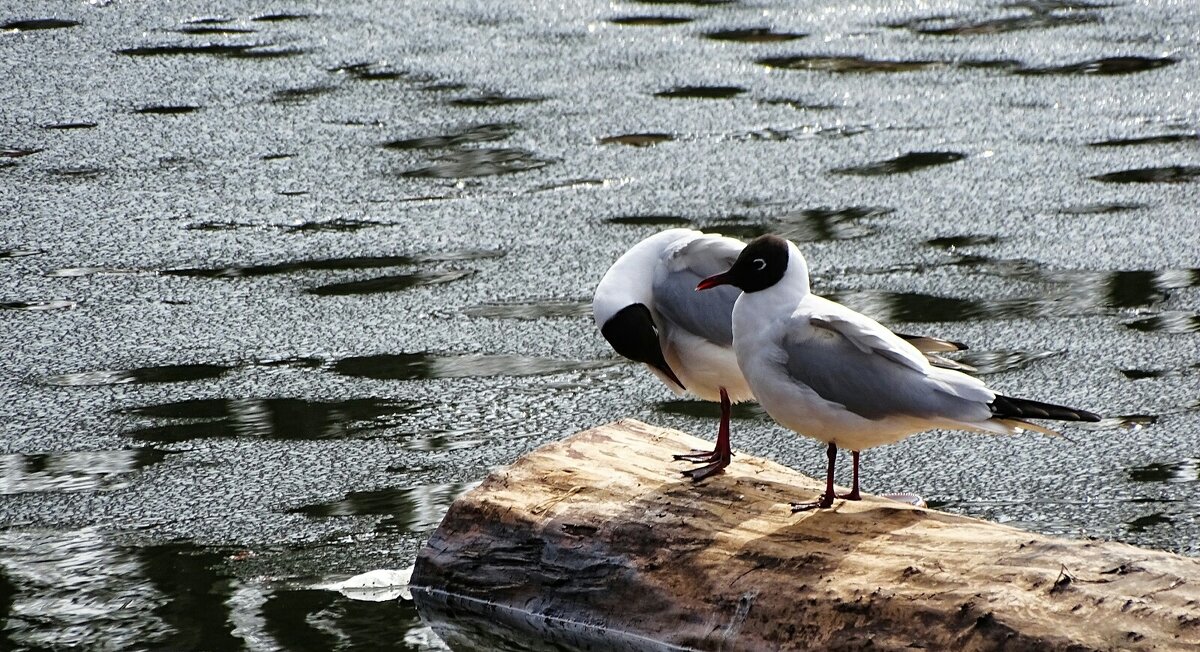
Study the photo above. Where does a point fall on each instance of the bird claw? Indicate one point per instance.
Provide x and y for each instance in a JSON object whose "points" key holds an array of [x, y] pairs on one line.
{"points": [[850, 495], [700, 473], [824, 502], [698, 456]]}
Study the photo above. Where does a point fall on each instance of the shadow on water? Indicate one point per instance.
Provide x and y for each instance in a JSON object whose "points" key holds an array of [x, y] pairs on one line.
{"points": [[78, 590], [406, 509], [72, 470], [270, 418], [753, 35], [806, 225], [38, 24], [636, 140], [1143, 523], [909, 162], [416, 366], [702, 92]]}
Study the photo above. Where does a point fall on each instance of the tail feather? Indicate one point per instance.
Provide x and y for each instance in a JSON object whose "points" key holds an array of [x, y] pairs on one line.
{"points": [[1004, 407]]}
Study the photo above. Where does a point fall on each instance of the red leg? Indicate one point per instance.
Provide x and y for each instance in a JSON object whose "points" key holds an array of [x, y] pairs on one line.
{"points": [[722, 454], [826, 499], [853, 494]]}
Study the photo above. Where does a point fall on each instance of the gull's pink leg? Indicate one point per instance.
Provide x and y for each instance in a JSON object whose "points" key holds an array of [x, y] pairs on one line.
{"points": [[826, 499], [720, 457], [853, 494]]}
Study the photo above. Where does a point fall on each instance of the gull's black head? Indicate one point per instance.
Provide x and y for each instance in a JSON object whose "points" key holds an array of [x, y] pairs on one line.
{"points": [[632, 333], [760, 265]]}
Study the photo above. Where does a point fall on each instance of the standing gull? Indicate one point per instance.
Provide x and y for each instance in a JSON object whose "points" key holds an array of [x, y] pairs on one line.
{"points": [[646, 308], [828, 372]]}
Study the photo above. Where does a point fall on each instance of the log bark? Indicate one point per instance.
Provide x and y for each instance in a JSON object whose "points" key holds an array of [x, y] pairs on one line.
{"points": [[597, 542]]}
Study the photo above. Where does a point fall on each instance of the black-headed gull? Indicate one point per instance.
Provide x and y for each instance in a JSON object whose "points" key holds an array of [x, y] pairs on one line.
{"points": [[646, 308], [830, 373]]}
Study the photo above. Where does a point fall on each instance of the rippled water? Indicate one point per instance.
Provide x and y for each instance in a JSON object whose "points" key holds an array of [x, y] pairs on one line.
{"points": [[278, 283]]}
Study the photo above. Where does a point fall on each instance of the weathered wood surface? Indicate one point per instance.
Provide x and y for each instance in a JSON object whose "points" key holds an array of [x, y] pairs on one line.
{"points": [[599, 533]]}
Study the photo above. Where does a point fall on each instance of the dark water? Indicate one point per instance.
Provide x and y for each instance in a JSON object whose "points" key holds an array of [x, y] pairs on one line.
{"points": [[260, 331]]}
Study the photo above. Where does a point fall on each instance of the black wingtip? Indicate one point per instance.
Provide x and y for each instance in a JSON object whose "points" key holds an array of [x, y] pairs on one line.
{"points": [[1022, 408]]}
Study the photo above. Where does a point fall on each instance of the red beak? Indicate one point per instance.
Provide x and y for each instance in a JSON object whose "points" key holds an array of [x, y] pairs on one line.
{"points": [[713, 281]]}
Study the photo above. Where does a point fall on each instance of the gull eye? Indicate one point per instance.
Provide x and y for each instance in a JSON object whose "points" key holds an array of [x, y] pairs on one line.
{"points": [[759, 264]]}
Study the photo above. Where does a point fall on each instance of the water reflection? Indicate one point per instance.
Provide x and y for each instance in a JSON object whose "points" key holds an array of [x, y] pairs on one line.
{"points": [[406, 509], [72, 470], [649, 220], [709, 410], [1167, 472], [79, 590], [161, 374], [270, 418], [806, 225], [1142, 523]]}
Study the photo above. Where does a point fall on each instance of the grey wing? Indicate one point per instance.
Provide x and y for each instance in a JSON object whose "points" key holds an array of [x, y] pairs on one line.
{"points": [[707, 314], [868, 384]]}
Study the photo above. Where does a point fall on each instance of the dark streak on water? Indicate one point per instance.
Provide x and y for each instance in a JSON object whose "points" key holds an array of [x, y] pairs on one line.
{"points": [[278, 18], [493, 99], [345, 225], [237, 51], [753, 35], [16, 152], [650, 20], [301, 94], [909, 162], [702, 92], [269, 418], [636, 140], [844, 64], [807, 225], [1164, 139], [1142, 523], [166, 109], [1171, 174], [956, 241], [1037, 18], [349, 263], [528, 311], [161, 374], [476, 134], [1104, 66], [38, 24], [19, 253], [709, 410], [407, 509], [69, 125], [36, 306], [371, 72], [1100, 209], [416, 366], [1172, 322], [394, 283], [649, 220], [72, 470], [201, 30], [1166, 472], [479, 163]]}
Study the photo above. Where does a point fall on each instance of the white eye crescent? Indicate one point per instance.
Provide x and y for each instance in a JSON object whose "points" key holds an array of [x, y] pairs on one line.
{"points": [[759, 264]]}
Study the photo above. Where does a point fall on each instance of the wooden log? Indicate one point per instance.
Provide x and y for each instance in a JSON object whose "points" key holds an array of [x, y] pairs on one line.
{"points": [[597, 542]]}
